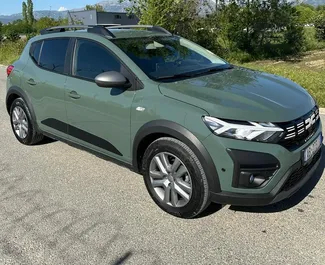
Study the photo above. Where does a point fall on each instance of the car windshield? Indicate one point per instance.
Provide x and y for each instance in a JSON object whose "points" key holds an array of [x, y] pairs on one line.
{"points": [[170, 57]]}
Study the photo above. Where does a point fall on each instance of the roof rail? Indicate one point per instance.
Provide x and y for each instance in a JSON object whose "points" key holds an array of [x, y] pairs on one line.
{"points": [[100, 30], [104, 30], [147, 27]]}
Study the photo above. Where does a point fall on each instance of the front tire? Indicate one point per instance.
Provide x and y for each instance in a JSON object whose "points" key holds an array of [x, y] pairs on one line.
{"points": [[175, 178], [22, 123]]}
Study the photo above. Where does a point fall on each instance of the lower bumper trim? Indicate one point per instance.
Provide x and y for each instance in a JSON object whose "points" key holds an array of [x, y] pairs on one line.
{"points": [[276, 195]]}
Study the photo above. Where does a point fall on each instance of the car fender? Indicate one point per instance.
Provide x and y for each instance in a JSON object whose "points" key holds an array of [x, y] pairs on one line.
{"points": [[21, 93], [181, 133]]}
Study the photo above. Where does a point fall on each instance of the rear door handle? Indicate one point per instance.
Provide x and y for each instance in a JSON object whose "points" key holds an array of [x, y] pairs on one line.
{"points": [[73, 94], [31, 81]]}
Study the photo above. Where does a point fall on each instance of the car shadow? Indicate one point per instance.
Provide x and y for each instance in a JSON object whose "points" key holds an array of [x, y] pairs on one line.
{"points": [[46, 140], [294, 200]]}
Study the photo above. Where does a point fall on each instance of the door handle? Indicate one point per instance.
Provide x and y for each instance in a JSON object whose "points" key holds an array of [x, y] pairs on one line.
{"points": [[73, 94], [31, 81]]}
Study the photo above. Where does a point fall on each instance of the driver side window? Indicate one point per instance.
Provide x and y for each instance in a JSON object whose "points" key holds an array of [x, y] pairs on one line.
{"points": [[92, 59]]}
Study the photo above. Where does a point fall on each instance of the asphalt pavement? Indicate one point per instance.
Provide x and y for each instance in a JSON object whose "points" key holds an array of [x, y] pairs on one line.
{"points": [[61, 205]]}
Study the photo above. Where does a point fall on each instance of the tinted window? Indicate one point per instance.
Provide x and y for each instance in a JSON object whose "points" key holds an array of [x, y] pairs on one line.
{"points": [[53, 55], [92, 59], [161, 57], [35, 50]]}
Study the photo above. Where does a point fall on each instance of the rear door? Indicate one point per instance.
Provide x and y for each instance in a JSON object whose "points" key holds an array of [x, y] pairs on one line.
{"points": [[99, 118], [44, 80]]}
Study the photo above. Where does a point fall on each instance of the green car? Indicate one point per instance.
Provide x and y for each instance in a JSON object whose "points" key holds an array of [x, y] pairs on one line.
{"points": [[197, 128]]}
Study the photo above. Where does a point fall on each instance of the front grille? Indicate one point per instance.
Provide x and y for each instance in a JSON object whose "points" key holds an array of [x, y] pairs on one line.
{"points": [[297, 175], [299, 131]]}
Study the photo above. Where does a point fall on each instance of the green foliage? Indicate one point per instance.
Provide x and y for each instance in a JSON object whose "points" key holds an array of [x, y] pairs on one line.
{"points": [[30, 12], [30, 35], [12, 35], [1, 32], [307, 14], [245, 28], [320, 26], [46, 22], [24, 12], [10, 51], [175, 16], [97, 7], [19, 26]]}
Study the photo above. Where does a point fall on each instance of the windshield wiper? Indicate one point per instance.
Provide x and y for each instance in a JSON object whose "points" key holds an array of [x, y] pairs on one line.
{"points": [[196, 73], [215, 69], [182, 75]]}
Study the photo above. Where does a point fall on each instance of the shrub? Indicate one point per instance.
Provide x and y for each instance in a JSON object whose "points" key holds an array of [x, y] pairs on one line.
{"points": [[12, 35], [30, 35], [10, 51], [320, 26]]}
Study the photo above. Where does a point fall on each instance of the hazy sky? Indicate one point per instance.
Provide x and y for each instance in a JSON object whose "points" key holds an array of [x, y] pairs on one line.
{"points": [[14, 6]]}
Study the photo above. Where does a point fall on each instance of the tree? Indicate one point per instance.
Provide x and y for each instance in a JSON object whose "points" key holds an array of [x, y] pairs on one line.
{"points": [[46, 22], [320, 27], [177, 16], [1, 32], [24, 12], [30, 12], [97, 7], [306, 14], [12, 35]]}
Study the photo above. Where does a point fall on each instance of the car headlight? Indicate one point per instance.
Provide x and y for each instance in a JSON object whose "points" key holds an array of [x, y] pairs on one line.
{"points": [[242, 130]]}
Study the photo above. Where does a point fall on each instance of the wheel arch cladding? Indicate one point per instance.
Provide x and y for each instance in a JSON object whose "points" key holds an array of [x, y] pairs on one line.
{"points": [[160, 128], [16, 92]]}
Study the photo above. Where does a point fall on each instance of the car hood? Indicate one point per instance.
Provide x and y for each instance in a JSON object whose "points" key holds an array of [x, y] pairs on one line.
{"points": [[243, 94]]}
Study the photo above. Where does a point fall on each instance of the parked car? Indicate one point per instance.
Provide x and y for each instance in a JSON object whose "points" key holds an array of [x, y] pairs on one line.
{"points": [[199, 129]]}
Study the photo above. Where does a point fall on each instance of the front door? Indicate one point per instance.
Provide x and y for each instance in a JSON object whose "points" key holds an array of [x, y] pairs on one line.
{"points": [[99, 118]]}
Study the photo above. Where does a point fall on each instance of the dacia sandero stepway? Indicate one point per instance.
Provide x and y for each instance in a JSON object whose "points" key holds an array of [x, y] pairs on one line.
{"points": [[199, 129]]}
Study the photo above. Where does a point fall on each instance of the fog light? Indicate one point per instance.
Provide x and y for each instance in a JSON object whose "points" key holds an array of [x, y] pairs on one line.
{"points": [[251, 179], [254, 179]]}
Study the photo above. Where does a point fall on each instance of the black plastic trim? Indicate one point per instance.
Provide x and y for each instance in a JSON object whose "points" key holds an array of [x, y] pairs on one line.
{"points": [[248, 161], [276, 195], [179, 132], [81, 134], [20, 92]]}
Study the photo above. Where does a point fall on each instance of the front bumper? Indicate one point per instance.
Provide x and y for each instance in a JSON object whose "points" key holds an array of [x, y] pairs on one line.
{"points": [[280, 192], [289, 177]]}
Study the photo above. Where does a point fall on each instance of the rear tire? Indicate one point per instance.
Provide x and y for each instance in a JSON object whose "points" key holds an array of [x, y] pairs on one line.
{"points": [[22, 123], [175, 178]]}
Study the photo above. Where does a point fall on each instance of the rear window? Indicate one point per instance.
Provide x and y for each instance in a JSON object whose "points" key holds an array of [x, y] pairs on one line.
{"points": [[35, 51], [53, 55]]}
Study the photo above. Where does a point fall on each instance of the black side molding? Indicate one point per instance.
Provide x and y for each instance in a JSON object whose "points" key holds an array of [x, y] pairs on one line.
{"points": [[81, 134], [179, 132]]}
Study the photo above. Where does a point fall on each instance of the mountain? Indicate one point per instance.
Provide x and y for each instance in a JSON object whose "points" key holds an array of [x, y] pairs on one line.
{"points": [[37, 14]]}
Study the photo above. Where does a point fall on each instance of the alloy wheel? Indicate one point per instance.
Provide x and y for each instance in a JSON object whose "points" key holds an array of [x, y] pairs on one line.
{"points": [[20, 122], [170, 179]]}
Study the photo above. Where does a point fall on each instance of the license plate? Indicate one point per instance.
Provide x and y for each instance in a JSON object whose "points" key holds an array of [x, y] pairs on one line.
{"points": [[312, 149]]}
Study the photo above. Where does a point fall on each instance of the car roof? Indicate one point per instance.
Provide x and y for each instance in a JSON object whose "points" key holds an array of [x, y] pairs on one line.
{"points": [[109, 32]]}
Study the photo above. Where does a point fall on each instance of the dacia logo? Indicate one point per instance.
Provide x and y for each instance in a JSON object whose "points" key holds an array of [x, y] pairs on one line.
{"points": [[310, 121]]}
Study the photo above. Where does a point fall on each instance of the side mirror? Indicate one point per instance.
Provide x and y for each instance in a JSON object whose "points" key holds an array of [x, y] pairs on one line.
{"points": [[112, 79]]}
